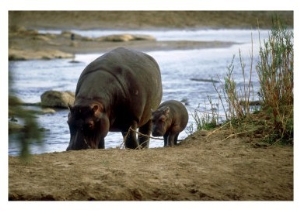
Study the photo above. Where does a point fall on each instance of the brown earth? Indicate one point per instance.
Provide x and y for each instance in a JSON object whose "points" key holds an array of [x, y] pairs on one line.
{"points": [[200, 168], [208, 165]]}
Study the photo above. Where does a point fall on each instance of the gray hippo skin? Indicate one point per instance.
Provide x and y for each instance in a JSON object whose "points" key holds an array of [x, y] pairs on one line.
{"points": [[169, 120], [116, 91]]}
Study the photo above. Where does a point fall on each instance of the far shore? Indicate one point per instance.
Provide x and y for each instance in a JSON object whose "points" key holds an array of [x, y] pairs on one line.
{"points": [[26, 44]]}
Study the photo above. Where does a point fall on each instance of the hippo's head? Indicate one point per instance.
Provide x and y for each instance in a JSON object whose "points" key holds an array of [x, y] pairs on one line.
{"points": [[160, 121], [88, 126]]}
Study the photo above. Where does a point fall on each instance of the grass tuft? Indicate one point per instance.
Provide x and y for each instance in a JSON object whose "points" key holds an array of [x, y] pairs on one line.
{"points": [[275, 70]]}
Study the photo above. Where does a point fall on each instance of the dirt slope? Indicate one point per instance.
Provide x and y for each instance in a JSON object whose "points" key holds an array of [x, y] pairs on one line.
{"points": [[207, 167]]}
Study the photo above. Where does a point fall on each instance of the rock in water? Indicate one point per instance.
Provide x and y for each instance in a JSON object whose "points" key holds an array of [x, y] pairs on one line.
{"points": [[57, 99]]}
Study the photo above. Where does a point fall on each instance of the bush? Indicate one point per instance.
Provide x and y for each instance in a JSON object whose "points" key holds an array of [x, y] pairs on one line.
{"points": [[275, 69]]}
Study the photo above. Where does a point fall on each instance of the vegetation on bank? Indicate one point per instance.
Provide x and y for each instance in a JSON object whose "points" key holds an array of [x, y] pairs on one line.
{"points": [[272, 115]]}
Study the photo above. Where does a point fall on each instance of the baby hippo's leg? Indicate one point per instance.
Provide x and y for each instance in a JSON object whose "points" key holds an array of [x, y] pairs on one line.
{"points": [[172, 139], [166, 139]]}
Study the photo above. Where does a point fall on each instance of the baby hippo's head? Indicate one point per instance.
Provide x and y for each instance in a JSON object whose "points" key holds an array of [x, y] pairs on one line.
{"points": [[160, 121]]}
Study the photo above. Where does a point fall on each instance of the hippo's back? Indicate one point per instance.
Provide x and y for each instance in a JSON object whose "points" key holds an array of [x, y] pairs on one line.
{"points": [[131, 78], [124, 58]]}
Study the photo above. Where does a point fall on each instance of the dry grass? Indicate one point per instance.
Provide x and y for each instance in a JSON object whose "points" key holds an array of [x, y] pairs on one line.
{"points": [[275, 69]]}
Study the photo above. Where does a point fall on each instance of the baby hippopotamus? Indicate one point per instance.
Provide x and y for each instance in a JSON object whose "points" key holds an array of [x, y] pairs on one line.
{"points": [[169, 120]]}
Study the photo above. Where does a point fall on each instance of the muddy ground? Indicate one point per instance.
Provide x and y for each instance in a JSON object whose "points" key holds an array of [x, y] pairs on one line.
{"points": [[211, 165]]}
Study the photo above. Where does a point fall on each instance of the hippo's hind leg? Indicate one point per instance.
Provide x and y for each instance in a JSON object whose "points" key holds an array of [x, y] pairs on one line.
{"points": [[172, 139], [130, 137], [145, 131], [101, 144], [176, 139]]}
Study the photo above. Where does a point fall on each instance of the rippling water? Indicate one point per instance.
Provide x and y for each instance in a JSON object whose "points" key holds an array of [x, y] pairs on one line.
{"points": [[178, 67]]}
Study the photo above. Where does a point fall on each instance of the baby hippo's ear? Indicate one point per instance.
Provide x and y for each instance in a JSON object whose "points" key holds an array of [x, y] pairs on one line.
{"points": [[166, 110]]}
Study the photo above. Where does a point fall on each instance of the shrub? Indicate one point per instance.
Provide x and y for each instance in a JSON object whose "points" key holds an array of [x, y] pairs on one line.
{"points": [[275, 70]]}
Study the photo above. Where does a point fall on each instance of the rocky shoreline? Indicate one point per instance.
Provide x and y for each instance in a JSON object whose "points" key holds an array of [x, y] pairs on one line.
{"points": [[28, 44]]}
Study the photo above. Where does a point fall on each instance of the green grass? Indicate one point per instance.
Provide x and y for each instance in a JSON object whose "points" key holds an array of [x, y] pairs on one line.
{"points": [[207, 120]]}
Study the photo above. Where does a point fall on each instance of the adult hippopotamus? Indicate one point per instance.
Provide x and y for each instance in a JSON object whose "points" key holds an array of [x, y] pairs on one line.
{"points": [[169, 120], [115, 92]]}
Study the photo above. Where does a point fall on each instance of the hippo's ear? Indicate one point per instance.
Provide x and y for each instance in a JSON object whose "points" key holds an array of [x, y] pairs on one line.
{"points": [[70, 107], [97, 109]]}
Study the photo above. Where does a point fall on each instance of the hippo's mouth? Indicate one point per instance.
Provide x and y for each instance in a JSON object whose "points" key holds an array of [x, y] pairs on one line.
{"points": [[86, 143], [90, 143]]}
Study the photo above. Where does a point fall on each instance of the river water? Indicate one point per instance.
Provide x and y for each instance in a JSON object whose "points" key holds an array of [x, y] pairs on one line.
{"points": [[178, 69]]}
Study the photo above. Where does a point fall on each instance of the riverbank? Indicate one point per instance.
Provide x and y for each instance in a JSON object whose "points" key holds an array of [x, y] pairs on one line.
{"points": [[28, 44], [205, 166]]}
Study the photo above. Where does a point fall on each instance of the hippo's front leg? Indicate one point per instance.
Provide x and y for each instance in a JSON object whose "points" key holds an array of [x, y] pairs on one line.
{"points": [[145, 131], [130, 137], [171, 139]]}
